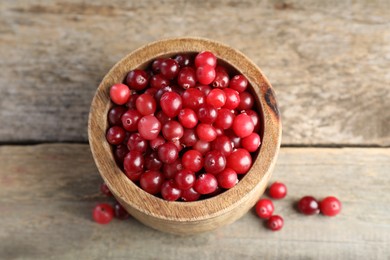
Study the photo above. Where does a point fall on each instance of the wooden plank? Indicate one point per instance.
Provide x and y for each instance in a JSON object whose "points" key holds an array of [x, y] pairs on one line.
{"points": [[328, 62], [47, 193]]}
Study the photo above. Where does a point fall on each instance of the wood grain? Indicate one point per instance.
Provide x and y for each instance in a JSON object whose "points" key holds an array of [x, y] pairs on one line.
{"points": [[328, 62], [47, 193]]}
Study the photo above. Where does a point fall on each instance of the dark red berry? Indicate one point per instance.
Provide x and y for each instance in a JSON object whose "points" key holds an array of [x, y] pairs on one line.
{"points": [[115, 135], [206, 183], [184, 179], [223, 144], [221, 79], [162, 117], [205, 74], [224, 119], [227, 179], [238, 83], [169, 68], [120, 212], [130, 120], [168, 152], [169, 191], [206, 58], [120, 152], [172, 130], [214, 162], [171, 103], [105, 190], [277, 190], [119, 94], [232, 98], [103, 213], [246, 101], [137, 79], [115, 114], [184, 60], [240, 161], [133, 162], [151, 181], [264, 208], [186, 78], [130, 104], [170, 170], [255, 119], [156, 65], [193, 98], [137, 142], [189, 137], [192, 160], [207, 114], [275, 223], [152, 162], [190, 195], [156, 142], [158, 81], [202, 146], [330, 206], [308, 205], [145, 104]]}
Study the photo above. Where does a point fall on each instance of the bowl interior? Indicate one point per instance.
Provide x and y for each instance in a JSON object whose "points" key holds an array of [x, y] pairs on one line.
{"points": [[133, 197]]}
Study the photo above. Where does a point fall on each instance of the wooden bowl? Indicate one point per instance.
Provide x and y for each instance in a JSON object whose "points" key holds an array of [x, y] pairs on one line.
{"points": [[198, 216]]}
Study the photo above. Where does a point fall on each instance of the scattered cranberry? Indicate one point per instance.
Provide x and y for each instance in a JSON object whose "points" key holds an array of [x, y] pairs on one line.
{"points": [[330, 206], [105, 190], [308, 205], [103, 213], [275, 223], [277, 190], [120, 212], [264, 208]]}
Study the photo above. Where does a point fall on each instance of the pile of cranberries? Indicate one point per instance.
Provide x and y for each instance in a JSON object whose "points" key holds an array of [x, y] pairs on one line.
{"points": [[184, 128], [308, 205]]}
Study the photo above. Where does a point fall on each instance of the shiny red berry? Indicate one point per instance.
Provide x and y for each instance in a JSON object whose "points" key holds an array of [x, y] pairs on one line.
{"points": [[214, 162], [188, 118], [275, 223], [115, 114], [193, 98], [205, 74], [243, 125], [232, 98], [120, 93], [238, 83], [133, 162], [190, 195], [192, 160], [216, 98], [184, 179], [137, 79], [308, 205], [103, 213], [330, 206], [169, 191], [168, 152], [251, 142], [264, 208], [171, 103], [151, 181], [240, 161], [277, 190], [206, 183], [120, 212], [115, 135], [169, 68], [227, 179], [206, 58], [130, 120], [146, 104], [186, 78], [149, 127], [105, 190], [206, 132]]}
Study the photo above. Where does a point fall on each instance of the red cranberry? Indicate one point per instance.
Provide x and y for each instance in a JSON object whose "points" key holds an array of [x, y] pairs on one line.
{"points": [[145, 104], [105, 190], [206, 58], [169, 191], [232, 98], [240, 161], [158, 81], [115, 114], [205, 74], [171, 169], [189, 137], [330, 206], [214, 162], [188, 118], [235, 140], [103, 213], [151, 91], [251, 142], [169, 68], [224, 119], [193, 98], [168, 152], [152, 162], [190, 195], [243, 125], [277, 190], [149, 127], [161, 92], [119, 94], [172, 130], [216, 98], [186, 78], [120, 152], [192, 160], [275, 223], [184, 179], [156, 65], [156, 142], [151, 181], [246, 101], [130, 120], [178, 144], [130, 104], [207, 114], [255, 119], [221, 79], [137, 142], [120, 212], [133, 162], [264, 208], [238, 83], [184, 60], [115, 135], [202, 146], [205, 89], [206, 132], [162, 117], [171, 103], [137, 79], [206, 183], [227, 179], [308, 205], [223, 144]]}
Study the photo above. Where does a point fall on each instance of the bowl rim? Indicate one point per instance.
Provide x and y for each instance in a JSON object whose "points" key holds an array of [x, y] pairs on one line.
{"points": [[129, 193]]}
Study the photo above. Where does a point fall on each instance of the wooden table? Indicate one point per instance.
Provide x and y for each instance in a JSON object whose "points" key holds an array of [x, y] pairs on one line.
{"points": [[329, 64]]}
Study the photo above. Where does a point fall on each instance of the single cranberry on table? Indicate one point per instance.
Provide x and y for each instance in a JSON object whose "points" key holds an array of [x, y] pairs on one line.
{"points": [[120, 93], [277, 190], [103, 213], [137, 79], [330, 206], [275, 223], [308, 205], [105, 190], [227, 179], [264, 208], [120, 212]]}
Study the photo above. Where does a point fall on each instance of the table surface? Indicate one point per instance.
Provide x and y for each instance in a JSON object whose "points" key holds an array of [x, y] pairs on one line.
{"points": [[327, 61]]}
